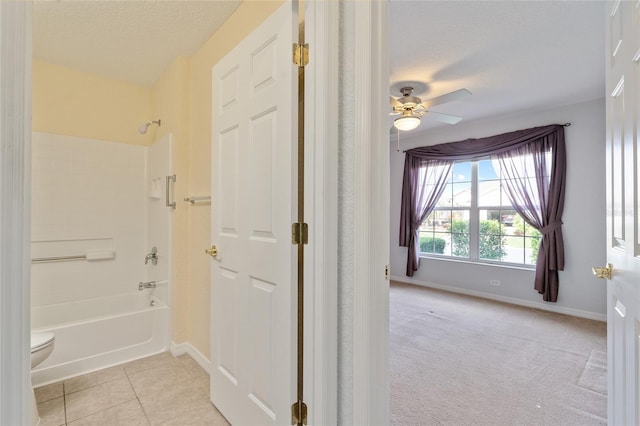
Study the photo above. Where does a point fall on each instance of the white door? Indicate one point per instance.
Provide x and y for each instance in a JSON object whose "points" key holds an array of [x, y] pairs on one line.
{"points": [[253, 200], [623, 207]]}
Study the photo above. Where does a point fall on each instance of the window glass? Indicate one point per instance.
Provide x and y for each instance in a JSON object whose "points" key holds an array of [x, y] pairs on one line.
{"points": [[502, 235], [446, 199], [461, 194], [461, 172], [489, 193]]}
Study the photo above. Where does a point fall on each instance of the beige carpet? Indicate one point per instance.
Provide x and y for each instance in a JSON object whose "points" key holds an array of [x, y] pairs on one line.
{"points": [[460, 360]]}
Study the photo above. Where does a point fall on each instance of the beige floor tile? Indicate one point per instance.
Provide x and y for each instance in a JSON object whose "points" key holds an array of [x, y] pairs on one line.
{"points": [[92, 379], [45, 393], [173, 402], [128, 414], [156, 380], [199, 413], [97, 398], [51, 412], [191, 366], [164, 359]]}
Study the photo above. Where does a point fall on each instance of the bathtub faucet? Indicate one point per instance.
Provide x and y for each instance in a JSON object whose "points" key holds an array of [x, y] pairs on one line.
{"points": [[148, 284], [153, 256]]}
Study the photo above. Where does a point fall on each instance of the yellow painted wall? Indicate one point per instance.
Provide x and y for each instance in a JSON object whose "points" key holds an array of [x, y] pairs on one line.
{"points": [[247, 17], [75, 103]]}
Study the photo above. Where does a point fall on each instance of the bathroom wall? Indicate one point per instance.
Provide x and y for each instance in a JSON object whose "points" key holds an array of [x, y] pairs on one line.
{"points": [[247, 17], [87, 195], [93, 122], [71, 102], [182, 97]]}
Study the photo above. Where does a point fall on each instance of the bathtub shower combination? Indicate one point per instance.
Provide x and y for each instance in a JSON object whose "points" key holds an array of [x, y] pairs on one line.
{"points": [[101, 242], [97, 333]]}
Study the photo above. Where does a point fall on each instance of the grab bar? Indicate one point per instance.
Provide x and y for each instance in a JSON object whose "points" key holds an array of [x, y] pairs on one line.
{"points": [[194, 200], [91, 255], [168, 203], [57, 259]]}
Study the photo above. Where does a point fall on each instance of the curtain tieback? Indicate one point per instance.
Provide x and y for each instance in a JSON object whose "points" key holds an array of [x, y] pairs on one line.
{"points": [[550, 227]]}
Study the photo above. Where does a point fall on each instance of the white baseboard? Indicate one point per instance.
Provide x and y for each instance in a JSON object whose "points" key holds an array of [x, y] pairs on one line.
{"points": [[187, 348], [529, 304]]}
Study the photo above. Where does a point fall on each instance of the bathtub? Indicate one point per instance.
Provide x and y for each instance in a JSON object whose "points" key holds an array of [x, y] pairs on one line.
{"points": [[98, 333]]}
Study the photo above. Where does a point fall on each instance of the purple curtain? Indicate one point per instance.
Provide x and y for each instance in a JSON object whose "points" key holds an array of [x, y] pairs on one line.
{"points": [[534, 178], [419, 199], [534, 162]]}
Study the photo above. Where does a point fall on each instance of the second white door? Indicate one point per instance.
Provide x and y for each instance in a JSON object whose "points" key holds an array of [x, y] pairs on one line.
{"points": [[253, 200]]}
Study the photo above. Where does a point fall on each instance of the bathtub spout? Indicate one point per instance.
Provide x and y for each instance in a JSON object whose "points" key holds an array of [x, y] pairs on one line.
{"points": [[148, 284]]}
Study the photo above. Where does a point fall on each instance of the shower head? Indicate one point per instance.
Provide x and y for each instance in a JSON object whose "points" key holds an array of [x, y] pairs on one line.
{"points": [[143, 129]]}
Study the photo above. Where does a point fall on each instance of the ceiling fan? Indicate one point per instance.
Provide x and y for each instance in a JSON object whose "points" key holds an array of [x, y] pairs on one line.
{"points": [[411, 108]]}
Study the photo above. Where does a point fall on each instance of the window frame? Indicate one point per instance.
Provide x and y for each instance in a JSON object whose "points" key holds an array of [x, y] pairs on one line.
{"points": [[474, 226]]}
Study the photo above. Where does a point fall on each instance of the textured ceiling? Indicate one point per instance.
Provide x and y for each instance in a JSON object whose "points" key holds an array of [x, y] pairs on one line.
{"points": [[132, 41], [512, 55]]}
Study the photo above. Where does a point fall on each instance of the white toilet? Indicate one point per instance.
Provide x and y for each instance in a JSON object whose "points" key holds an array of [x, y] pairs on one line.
{"points": [[41, 347]]}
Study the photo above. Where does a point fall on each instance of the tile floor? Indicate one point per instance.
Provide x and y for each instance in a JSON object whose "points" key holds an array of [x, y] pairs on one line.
{"points": [[157, 390]]}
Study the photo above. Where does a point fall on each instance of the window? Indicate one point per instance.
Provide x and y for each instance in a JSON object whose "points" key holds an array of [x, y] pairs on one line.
{"points": [[474, 220]]}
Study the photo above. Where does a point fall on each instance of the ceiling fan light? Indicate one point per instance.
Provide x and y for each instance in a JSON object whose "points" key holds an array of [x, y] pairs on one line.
{"points": [[406, 122]]}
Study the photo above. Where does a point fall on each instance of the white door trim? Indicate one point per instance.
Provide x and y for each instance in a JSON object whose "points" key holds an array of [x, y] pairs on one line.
{"points": [[371, 208], [15, 208], [321, 204]]}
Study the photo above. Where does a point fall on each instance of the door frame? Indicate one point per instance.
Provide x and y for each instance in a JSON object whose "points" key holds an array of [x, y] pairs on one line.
{"points": [[15, 220], [371, 204], [328, 26], [370, 385], [321, 205]]}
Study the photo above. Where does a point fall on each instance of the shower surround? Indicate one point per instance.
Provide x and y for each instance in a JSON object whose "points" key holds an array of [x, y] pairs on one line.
{"points": [[93, 197]]}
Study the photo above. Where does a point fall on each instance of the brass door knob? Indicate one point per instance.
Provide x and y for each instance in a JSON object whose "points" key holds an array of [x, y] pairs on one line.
{"points": [[213, 251], [604, 272]]}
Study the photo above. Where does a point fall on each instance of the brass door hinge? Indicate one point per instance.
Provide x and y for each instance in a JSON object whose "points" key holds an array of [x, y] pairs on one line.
{"points": [[299, 413], [299, 233], [387, 272], [300, 54]]}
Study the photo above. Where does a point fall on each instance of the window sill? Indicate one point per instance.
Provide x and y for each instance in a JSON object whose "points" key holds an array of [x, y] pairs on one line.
{"points": [[531, 268]]}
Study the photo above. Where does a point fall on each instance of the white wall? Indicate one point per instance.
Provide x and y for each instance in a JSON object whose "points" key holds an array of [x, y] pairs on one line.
{"points": [[159, 216], [87, 195], [584, 215]]}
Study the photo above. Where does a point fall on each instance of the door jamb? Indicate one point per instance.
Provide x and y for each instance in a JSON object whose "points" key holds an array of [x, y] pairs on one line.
{"points": [[321, 203], [371, 207], [15, 202]]}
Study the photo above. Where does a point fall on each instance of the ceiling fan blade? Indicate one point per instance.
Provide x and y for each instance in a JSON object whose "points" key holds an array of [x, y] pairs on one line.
{"points": [[445, 118], [449, 97], [394, 102]]}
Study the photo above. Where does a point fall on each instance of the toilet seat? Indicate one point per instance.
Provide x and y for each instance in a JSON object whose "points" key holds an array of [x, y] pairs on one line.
{"points": [[41, 340]]}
